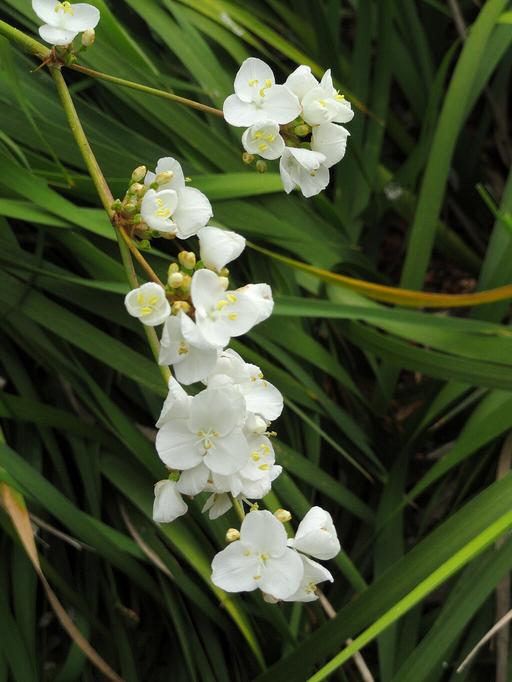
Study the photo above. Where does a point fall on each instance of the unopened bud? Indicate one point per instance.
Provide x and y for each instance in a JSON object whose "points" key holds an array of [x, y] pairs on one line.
{"points": [[187, 259], [88, 37], [173, 267], [224, 282], [137, 218], [163, 178], [232, 534], [247, 158], [117, 205], [261, 166], [224, 272], [186, 283], [175, 280], [130, 208], [174, 476], [302, 130], [139, 174], [283, 515], [180, 307], [269, 598], [144, 245]]}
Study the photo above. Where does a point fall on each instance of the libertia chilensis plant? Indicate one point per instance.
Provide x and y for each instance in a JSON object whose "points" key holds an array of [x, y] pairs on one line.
{"points": [[219, 439]]}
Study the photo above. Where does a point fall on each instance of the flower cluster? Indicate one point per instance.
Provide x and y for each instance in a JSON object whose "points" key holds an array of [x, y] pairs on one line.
{"points": [[63, 21], [297, 122], [217, 441], [262, 557]]}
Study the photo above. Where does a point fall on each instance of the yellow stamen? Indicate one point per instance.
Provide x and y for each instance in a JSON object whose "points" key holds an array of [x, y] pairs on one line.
{"points": [[153, 300], [183, 349], [255, 457], [140, 299], [146, 310], [232, 316], [64, 7], [221, 304], [262, 147], [268, 83], [264, 467], [253, 82], [232, 298]]}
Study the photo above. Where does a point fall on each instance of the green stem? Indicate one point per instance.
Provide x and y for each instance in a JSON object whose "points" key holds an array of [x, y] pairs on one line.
{"points": [[38, 50], [238, 508], [147, 89], [27, 43], [106, 197]]}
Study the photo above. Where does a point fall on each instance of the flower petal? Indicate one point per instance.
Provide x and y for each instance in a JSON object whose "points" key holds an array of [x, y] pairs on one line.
{"points": [[233, 569], [167, 163], [282, 576], [193, 481], [206, 289], [56, 36], [177, 446], [264, 139], [158, 209], [263, 398], [228, 453], [314, 573], [280, 104], [301, 81], [219, 247], [45, 10], [316, 535], [176, 405], [261, 531], [242, 114], [330, 140], [219, 410], [192, 213], [252, 76], [82, 18]]}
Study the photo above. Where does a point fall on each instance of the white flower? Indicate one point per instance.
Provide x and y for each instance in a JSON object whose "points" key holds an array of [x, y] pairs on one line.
{"points": [[301, 81], [324, 104], [149, 303], [316, 535], [174, 207], [64, 21], [257, 98], [264, 139], [314, 573], [190, 363], [168, 503], [330, 140], [260, 559], [305, 169], [219, 247], [261, 397], [220, 314], [210, 435]]}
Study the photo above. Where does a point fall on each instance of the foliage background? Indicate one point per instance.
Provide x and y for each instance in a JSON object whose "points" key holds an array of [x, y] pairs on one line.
{"points": [[396, 419]]}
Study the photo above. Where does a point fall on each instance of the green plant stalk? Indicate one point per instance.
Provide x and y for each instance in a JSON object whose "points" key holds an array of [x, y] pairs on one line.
{"points": [[106, 197], [439, 576], [38, 50], [147, 89]]}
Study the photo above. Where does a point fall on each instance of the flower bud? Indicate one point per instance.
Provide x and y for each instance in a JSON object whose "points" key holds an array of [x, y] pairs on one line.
{"points": [[186, 283], [175, 280], [302, 130], [117, 205], [139, 174], [164, 177], [232, 534], [283, 515], [130, 208], [187, 259], [247, 158], [88, 37], [224, 282], [173, 267], [224, 272], [180, 307], [269, 598], [261, 166]]}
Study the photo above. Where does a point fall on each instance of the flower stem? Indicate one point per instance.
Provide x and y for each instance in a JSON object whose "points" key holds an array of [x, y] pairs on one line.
{"points": [[147, 89], [107, 200], [27, 43], [238, 508]]}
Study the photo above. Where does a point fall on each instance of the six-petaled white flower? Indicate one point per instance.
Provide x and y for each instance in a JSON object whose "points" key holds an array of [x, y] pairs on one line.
{"points": [[173, 207], [219, 247], [257, 98], [264, 139], [63, 20], [259, 560], [210, 435], [149, 303]]}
